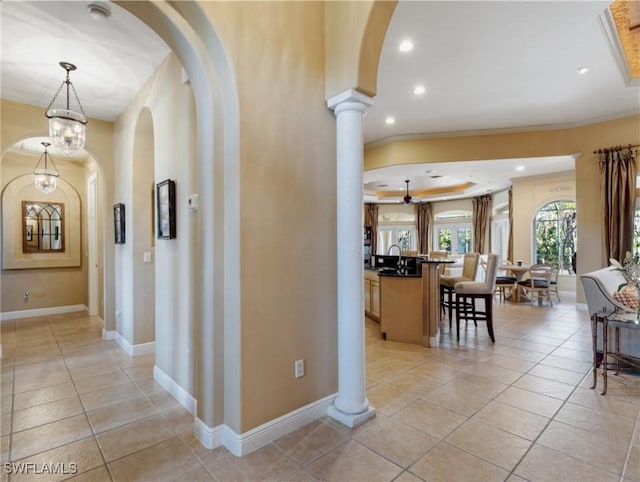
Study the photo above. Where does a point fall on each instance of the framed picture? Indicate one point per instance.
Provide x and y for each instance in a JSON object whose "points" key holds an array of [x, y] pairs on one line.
{"points": [[166, 209], [118, 223]]}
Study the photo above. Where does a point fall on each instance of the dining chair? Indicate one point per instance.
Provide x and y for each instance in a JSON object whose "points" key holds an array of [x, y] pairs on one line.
{"points": [[469, 292], [538, 285], [506, 283], [553, 282], [447, 283]]}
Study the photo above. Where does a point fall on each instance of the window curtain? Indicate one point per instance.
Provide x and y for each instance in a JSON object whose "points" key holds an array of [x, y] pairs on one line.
{"points": [[371, 219], [510, 242], [618, 197], [481, 216], [424, 222]]}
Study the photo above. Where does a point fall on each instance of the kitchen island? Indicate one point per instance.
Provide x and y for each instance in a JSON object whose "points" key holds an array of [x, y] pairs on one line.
{"points": [[410, 303]]}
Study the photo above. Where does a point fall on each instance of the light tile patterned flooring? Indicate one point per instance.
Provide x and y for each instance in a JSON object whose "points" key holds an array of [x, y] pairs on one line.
{"points": [[518, 410]]}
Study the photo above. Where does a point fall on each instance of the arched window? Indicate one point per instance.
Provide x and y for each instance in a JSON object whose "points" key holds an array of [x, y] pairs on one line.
{"points": [[555, 235]]}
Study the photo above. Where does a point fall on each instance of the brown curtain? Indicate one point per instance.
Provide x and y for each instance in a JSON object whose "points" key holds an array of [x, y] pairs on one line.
{"points": [[510, 242], [481, 216], [371, 219], [424, 222], [618, 195]]}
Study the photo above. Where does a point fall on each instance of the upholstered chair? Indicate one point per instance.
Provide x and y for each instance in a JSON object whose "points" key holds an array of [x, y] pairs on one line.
{"points": [[467, 294], [447, 283]]}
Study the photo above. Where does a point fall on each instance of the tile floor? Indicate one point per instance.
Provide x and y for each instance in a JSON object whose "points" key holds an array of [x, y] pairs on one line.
{"points": [[518, 410]]}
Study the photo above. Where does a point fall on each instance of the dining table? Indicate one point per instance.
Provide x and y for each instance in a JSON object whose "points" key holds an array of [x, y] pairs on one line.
{"points": [[518, 270]]}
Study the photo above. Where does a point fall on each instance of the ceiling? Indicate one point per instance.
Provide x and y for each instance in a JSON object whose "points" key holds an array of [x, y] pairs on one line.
{"points": [[486, 66]]}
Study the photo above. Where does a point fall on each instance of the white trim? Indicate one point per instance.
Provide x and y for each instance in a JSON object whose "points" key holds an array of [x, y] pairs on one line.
{"points": [[242, 444], [209, 437], [53, 310], [134, 350], [109, 335], [582, 307], [183, 397]]}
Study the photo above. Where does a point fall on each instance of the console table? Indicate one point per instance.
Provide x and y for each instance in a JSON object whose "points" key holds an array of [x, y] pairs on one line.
{"points": [[616, 320]]}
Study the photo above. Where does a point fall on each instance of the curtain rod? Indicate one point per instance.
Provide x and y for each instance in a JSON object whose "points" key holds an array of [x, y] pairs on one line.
{"points": [[615, 148]]}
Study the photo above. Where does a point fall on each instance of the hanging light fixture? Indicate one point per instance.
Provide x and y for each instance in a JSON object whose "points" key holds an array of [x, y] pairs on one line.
{"points": [[46, 180], [67, 127], [407, 198]]}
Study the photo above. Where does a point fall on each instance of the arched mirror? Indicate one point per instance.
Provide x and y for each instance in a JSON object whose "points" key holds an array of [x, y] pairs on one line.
{"points": [[42, 227]]}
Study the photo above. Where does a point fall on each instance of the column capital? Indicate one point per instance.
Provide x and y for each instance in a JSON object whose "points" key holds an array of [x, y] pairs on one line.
{"points": [[351, 96]]}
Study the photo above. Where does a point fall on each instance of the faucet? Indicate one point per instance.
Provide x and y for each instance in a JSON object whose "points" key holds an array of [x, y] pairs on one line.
{"points": [[399, 253]]}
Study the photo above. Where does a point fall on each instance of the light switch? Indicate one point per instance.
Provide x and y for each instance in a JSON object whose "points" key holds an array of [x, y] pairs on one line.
{"points": [[192, 202], [147, 257]]}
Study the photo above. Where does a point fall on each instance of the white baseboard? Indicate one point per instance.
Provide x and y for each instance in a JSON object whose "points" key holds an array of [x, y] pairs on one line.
{"points": [[180, 394], [209, 437], [242, 444], [54, 310], [109, 335], [582, 307], [129, 349]]}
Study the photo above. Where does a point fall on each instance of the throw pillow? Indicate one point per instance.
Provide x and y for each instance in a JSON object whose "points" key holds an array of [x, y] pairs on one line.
{"points": [[628, 296]]}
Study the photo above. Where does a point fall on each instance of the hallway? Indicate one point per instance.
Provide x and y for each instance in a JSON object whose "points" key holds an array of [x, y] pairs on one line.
{"points": [[517, 410]]}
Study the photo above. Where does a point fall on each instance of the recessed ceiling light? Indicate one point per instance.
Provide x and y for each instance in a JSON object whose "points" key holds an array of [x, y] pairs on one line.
{"points": [[583, 70], [389, 120], [520, 168], [405, 46], [419, 90]]}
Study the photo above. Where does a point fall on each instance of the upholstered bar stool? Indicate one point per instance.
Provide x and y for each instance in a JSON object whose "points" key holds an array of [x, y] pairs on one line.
{"points": [[447, 283], [467, 292]]}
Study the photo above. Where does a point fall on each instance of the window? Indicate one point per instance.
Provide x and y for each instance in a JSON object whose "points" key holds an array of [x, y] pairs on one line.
{"points": [[397, 228], [555, 235], [453, 232], [403, 236]]}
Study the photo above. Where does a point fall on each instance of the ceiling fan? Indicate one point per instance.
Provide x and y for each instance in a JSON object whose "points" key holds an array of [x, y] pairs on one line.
{"points": [[407, 198]]}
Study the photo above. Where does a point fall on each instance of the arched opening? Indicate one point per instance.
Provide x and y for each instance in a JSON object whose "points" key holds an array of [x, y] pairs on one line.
{"points": [[141, 222]]}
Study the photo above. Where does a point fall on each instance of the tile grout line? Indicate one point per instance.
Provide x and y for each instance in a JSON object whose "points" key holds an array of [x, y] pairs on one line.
{"points": [[84, 410]]}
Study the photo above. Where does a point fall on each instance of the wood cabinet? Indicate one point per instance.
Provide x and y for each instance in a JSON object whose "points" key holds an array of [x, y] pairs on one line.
{"points": [[372, 294]]}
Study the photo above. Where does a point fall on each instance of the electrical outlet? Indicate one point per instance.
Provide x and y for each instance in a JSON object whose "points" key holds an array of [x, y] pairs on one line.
{"points": [[299, 368]]}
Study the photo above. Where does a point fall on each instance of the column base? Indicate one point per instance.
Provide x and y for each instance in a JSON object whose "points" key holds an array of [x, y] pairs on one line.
{"points": [[351, 420]]}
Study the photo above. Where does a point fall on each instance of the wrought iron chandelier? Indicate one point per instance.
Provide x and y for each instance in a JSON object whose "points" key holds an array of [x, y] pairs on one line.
{"points": [[67, 127], [46, 179]]}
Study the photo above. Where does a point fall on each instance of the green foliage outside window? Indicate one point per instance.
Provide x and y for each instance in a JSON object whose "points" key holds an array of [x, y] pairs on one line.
{"points": [[444, 240], [555, 231]]}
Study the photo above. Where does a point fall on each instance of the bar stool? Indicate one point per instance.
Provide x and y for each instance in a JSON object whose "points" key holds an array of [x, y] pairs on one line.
{"points": [[447, 283], [467, 292]]}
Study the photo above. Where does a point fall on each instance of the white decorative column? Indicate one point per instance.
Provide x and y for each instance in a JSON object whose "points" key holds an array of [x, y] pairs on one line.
{"points": [[351, 406]]}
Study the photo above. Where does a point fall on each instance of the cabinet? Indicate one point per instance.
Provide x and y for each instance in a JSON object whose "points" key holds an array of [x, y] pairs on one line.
{"points": [[366, 237], [372, 295]]}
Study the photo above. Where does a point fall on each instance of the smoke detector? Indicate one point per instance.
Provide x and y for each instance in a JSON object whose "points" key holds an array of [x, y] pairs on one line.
{"points": [[99, 11]]}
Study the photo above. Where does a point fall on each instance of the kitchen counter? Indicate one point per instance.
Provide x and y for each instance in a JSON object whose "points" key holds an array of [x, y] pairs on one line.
{"points": [[410, 302]]}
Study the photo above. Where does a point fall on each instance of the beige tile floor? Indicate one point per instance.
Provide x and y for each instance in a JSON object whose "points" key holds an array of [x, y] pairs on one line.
{"points": [[518, 410]]}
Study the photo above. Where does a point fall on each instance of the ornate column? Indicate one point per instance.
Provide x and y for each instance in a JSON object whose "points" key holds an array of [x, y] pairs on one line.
{"points": [[351, 406]]}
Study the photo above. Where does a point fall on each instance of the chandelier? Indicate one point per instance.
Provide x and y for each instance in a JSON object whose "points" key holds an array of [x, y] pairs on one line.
{"points": [[67, 127], [46, 180]]}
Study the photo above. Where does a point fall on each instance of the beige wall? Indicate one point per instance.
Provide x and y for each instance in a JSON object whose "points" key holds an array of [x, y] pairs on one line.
{"points": [[354, 32], [48, 287], [288, 210], [581, 140], [21, 121]]}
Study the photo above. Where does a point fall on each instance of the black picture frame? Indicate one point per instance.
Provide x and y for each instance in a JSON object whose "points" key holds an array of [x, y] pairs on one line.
{"points": [[119, 223], [166, 209]]}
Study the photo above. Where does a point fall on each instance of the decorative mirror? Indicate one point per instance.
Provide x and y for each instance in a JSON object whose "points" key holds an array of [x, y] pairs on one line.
{"points": [[42, 227]]}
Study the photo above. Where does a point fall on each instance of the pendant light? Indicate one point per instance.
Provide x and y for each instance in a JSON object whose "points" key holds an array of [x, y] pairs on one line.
{"points": [[407, 198], [46, 180], [67, 127]]}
